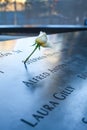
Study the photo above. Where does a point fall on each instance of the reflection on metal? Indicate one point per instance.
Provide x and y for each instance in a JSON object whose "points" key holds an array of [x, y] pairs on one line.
{"points": [[50, 92], [8, 46]]}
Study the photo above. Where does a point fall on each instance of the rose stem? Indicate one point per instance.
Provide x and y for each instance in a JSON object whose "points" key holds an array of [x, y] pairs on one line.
{"points": [[31, 54]]}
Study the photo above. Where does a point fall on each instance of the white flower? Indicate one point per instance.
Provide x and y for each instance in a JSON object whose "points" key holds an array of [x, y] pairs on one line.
{"points": [[41, 40]]}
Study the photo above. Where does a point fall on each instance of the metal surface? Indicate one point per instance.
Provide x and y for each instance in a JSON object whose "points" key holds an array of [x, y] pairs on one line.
{"points": [[37, 28], [50, 92]]}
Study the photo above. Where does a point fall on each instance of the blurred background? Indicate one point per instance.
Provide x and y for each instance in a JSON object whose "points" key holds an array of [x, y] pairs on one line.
{"points": [[43, 12]]}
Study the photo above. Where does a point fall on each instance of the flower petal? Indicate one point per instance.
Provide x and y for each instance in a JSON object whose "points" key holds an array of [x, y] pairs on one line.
{"points": [[42, 39]]}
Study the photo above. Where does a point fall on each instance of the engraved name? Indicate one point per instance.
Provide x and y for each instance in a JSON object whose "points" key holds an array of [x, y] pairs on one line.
{"points": [[47, 108]]}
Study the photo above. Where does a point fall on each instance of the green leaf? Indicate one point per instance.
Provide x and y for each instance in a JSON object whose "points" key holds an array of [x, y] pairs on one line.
{"points": [[34, 44]]}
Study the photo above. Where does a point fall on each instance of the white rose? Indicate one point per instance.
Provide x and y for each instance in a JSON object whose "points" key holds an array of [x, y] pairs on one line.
{"points": [[42, 40]]}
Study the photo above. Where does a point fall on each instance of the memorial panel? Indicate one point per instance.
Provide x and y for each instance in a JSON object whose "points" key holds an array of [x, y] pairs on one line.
{"points": [[50, 90]]}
